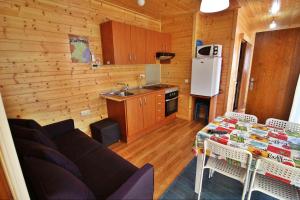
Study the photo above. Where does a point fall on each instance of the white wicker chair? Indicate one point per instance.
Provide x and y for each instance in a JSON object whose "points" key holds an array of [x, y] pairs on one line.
{"points": [[242, 116], [273, 187], [276, 123], [222, 166], [293, 127]]}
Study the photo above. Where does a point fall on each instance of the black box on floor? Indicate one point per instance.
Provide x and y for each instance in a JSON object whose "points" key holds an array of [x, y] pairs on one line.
{"points": [[106, 131]]}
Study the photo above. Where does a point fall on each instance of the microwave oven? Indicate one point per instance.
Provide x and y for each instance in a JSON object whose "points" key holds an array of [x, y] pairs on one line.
{"points": [[212, 50]]}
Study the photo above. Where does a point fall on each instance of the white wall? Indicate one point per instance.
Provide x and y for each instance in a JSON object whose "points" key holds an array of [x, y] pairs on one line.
{"points": [[295, 112]]}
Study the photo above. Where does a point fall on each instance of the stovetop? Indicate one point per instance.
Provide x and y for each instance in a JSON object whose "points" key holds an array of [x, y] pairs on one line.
{"points": [[168, 88]]}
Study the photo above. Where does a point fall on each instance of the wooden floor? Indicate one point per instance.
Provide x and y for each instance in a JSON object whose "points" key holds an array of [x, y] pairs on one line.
{"points": [[168, 149]]}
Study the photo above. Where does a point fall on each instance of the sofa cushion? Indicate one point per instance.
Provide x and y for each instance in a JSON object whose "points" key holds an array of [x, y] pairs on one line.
{"points": [[49, 181], [26, 148], [75, 144], [104, 171], [31, 134], [27, 123]]}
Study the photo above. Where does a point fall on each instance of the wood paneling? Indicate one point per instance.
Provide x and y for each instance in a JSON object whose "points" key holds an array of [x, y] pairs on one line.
{"points": [[167, 148], [275, 69], [243, 32], [160, 8], [259, 17], [38, 79], [219, 28], [181, 29]]}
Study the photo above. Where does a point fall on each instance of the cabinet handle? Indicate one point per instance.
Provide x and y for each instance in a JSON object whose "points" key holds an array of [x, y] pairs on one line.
{"points": [[141, 102], [145, 100], [129, 56]]}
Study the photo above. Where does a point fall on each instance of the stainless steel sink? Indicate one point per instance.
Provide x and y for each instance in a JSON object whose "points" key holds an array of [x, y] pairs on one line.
{"points": [[121, 93]]}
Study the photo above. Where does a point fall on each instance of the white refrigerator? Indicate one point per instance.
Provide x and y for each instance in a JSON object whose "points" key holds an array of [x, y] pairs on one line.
{"points": [[206, 74]]}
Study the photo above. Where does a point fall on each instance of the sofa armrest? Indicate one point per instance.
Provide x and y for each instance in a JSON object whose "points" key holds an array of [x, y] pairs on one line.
{"points": [[59, 128], [139, 186]]}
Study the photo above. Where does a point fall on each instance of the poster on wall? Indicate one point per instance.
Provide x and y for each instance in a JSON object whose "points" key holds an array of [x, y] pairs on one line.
{"points": [[79, 46]]}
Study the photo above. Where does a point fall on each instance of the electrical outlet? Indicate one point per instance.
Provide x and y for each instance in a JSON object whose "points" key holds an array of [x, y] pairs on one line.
{"points": [[186, 80], [85, 112]]}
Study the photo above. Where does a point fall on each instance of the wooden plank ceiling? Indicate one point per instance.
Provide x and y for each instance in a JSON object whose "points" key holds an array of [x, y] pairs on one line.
{"points": [[159, 8], [256, 11], [259, 17]]}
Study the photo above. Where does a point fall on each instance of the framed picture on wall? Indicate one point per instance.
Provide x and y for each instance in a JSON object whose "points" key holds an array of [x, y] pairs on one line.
{"points": [[79, 47]]}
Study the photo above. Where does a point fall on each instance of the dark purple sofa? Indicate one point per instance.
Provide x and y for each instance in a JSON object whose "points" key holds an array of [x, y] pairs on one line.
{"points": [[61, 162]]}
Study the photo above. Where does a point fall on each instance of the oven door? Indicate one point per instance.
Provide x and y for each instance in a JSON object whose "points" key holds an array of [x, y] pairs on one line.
{"points": [[171, 106]]}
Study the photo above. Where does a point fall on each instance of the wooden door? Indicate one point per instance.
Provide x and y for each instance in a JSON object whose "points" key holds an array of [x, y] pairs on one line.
{"points": [[149, 110], [121, 43], [138, 45], [134, 115], [275, 69]]}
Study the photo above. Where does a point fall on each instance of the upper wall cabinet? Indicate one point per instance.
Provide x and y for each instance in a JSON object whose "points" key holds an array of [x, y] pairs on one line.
{"points": [[125, 44]]}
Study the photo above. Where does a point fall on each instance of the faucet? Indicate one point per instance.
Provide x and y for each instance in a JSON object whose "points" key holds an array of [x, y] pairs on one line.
{"points": [[125, 86]]}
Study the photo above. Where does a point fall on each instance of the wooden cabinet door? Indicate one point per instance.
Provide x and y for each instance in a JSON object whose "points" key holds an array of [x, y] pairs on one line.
{"points": [[121, 43], [149, 110], [166, 42], [134, 115], [152, 46], [138, 45]]}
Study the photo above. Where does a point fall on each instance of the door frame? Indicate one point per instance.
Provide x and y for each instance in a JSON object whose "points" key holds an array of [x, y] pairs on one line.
{"points": [[242, 102], [9, 159]]}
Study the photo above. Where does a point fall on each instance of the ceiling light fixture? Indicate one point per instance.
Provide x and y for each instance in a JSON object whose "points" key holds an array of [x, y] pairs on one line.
{"points": [[273, 24], [275, 7], [211, 6], [141, 2]]}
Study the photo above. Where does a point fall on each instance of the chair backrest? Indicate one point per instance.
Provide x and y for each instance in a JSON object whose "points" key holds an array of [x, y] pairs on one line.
{"points": [[225, 152], [277, 123], [286, 173], [293, 127], [242, 116]]}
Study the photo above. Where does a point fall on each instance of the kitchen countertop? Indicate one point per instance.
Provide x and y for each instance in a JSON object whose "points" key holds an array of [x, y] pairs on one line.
{"points": [[136, 92]]}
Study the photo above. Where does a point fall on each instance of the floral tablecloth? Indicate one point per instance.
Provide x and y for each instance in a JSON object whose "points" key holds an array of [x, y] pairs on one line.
{"points": [[261, 140]]}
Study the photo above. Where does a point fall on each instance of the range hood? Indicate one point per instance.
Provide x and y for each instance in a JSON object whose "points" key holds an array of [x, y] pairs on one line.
{"points": [[164, 55]]}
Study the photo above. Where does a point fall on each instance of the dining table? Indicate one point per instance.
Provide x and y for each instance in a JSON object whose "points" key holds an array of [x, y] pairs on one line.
{"points": [[260, 140]]}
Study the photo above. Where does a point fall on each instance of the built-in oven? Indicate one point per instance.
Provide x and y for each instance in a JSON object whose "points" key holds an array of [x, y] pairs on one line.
{"points": [[171, 97]]}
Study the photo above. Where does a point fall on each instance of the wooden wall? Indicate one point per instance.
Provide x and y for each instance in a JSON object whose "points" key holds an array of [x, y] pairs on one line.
{"points": [[243, 32], [219, 28], [38, 79], [181, 29]]}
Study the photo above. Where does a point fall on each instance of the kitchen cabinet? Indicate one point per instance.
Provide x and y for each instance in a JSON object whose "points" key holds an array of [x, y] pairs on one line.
{"points": [[137, 44], [160, 106], [124, 44], [165, 42], [153, 45], [134, 115], [149, 110], [140, 112], [115, 38]]}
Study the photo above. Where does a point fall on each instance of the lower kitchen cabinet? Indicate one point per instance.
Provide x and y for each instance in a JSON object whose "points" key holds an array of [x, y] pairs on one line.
{"points": [[138, 115], [134, 115]]}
